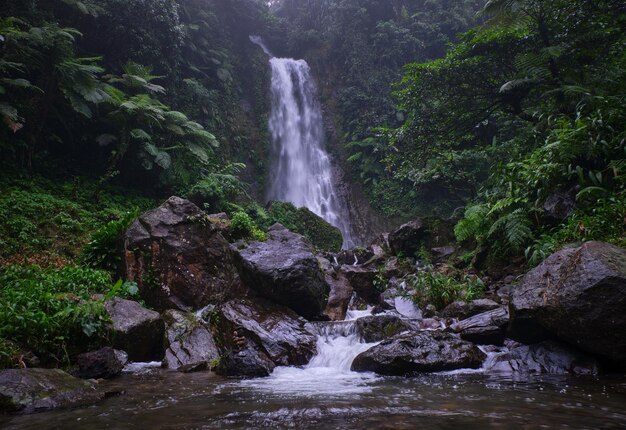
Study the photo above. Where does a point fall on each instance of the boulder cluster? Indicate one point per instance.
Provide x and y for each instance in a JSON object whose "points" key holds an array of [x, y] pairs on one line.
{"points": [[242, 309]]}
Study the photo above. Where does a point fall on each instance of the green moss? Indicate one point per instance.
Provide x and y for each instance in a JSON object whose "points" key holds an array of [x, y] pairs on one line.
{"points": [[324, 236]]}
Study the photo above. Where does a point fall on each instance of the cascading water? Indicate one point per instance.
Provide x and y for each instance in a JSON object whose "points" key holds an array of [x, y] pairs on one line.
{"points": [[301, 171], [328, 372]]}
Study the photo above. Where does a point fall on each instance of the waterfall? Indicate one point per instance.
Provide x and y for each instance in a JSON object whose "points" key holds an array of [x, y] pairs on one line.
{"points": [[301, 171]]}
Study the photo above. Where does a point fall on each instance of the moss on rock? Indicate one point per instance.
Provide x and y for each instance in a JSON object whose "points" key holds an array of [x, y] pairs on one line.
{"points": [[322, 235]]}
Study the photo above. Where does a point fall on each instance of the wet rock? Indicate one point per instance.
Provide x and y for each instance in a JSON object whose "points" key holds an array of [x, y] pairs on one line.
{"points": [[401, 303], [362, 279], [380, 245], [284, 269], [188, 341], [35, 390], [136, 330], [379, 327], [221, 222], [407, 238], [559, 205], [354, 256], [442, 252], [279, 333], [429, 311], [487, 328], [340, 291], [178, 258], [434, 323], [543, 358], [194, 367], [428, 351], [395, 268], [577, 295], [246, 362], [105, 363], [462, 310]]}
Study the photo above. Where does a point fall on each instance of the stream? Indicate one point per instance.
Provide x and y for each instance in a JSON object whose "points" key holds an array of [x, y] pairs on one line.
{"points": [[325, 394]]}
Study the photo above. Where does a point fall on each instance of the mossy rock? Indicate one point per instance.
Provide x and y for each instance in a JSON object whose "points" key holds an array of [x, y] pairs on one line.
{"points": [[324, 236]]}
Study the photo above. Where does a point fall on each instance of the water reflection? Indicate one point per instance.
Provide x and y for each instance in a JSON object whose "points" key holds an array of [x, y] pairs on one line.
{"points": [[170, 400]]}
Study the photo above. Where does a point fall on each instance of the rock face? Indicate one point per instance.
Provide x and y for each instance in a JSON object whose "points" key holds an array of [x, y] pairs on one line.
{"points": [[362, 281], [542, 358], [136, 330], [560, 204], [487, 328], [407, 238], [462, 310], [104, 363], [340, 291], [284, 270], [431, 351], [377, 328], [189, 341], [34, 390], [178, 258], [577, 295], [278, 332]]}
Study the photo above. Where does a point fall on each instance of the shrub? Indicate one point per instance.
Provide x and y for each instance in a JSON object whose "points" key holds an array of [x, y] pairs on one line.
{"points": [[243, 227], [101, 251], [51, 311], [440, 290]]}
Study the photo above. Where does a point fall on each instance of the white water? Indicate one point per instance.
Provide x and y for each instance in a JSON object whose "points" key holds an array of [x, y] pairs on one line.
{"points": [[328, 372], [301, 171]]}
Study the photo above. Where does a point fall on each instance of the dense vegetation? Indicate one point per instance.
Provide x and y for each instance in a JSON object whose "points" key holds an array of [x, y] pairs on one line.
{"points": [[506, 116]]}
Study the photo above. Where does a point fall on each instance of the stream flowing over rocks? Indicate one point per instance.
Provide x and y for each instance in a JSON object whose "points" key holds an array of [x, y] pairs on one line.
{"points": [[284, 319]]}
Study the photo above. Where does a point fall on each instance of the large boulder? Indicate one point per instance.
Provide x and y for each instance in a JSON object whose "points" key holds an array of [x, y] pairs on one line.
{"points": [[427, 351], [178, 258], [577, 295], [363, 282], [378, 327], [277, 331], [462, 310], [324, 236], [487, 328], [136, 330], [408, 238], [189, 341], [35, 390], [104, 363], [285, 270], [340, 291], [542, 358]]}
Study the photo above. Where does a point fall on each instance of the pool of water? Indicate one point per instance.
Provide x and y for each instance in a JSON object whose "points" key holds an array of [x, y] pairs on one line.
{"points": [[159, 399]]}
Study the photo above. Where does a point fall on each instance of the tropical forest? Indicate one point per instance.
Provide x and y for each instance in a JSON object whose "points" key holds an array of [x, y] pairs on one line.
{"points": [[312, 214]]}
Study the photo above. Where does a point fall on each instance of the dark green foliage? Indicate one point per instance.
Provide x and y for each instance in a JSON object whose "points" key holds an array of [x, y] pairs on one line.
{"points": [[51, 221], [103, 250], [243, 227], [543, 112], [438, 289], [50, 311], [322, 235]]}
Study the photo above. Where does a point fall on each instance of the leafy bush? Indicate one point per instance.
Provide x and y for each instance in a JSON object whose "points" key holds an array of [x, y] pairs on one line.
{"points": [[51, 311], [603, 221], [440, 290], [42, 216], [101, 251], [243, 227]]}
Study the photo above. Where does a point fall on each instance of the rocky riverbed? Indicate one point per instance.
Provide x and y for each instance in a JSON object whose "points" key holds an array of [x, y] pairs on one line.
{"points": [[279, 309]]}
